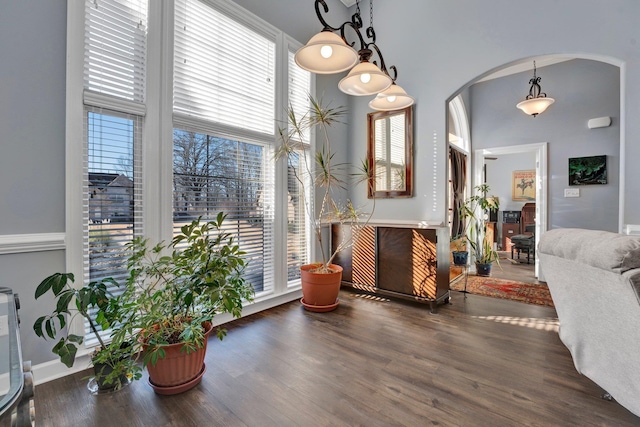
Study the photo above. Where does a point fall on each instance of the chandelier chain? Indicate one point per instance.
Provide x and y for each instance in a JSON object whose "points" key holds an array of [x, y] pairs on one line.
{"points": [[371, 13]]}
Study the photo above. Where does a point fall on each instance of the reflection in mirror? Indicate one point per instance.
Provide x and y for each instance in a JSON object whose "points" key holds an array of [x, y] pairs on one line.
{"points": [[390, 153]]}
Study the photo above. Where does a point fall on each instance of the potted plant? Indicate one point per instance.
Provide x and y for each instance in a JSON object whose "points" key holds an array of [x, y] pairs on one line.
{"points": [[460, 254], [320, 280], [174, 292], [114, 363], [475, 210], [459, 243]]}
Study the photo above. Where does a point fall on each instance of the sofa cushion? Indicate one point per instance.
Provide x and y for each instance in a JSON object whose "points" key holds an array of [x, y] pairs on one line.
{"points": [[601, 249]]}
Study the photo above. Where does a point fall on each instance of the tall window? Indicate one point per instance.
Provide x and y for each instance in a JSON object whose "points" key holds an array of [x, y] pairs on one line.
{"points": [[298, 230], [114, 76], [231, 85], [225, 132], [113, 191]]}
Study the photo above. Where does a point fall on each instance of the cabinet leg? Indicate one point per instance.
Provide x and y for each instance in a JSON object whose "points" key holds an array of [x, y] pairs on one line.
{"points": [[433, 307]]}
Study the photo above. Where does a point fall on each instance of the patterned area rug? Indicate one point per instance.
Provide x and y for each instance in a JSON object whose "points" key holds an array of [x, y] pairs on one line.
{"points": [[506, 289]]}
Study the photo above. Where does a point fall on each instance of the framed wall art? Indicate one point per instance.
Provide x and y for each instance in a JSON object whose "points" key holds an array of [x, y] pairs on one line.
{"points": [[588, 170], [523, 186]]}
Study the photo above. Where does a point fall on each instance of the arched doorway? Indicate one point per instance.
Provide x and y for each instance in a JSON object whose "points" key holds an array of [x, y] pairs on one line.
{"points": [[551, 180]]}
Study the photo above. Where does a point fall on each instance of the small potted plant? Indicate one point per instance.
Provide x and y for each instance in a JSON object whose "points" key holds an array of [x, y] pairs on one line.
{"points": [[321, 280], [475, 210], [459, 243], [460, 254], [114, 363], [174, 292]]}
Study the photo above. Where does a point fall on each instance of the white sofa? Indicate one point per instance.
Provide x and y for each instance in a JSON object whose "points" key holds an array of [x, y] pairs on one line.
{"points": [[594, 279]]}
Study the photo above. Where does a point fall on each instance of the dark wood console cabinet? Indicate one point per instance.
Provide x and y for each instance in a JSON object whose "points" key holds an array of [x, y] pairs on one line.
{"points": [[395, 260], [509, 230]]}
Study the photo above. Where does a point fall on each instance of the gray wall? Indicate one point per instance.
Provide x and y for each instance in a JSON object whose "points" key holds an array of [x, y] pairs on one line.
{"points": [[32, 149], [499, 177], [436, 59], [32, 106], [583, 90]]}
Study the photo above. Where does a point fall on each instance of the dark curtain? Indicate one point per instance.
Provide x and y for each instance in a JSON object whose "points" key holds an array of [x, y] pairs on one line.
{"points": [[458, 179]]}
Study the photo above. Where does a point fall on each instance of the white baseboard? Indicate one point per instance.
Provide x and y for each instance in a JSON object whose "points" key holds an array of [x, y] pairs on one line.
{"points": [[54, 369]]}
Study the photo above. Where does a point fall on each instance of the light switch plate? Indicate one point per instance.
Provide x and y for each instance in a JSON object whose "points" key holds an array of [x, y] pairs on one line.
{"points": [[571, 192]]}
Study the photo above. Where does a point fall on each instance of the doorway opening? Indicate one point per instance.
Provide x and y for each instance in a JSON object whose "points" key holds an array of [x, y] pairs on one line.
{"points": [[539, 150]]}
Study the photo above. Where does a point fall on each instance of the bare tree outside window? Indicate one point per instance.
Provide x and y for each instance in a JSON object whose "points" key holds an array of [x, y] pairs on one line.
{"points": [[213, 174]]}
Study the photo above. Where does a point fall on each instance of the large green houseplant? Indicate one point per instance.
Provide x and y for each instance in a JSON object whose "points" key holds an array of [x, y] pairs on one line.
{"points": [[475, 211], [172, 295], [323, 177], [113, 361]]}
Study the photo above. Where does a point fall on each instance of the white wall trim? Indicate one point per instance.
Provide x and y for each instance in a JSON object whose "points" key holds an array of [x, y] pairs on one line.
{"points": [[54, 369], [623, 147], [75, 148], [36, 242]]}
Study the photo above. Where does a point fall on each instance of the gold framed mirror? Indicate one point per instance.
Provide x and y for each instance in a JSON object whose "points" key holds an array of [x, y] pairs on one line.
{"points": [[390, 153]]}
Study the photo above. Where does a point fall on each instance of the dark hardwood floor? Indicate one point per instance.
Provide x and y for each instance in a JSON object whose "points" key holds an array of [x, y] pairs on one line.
{"points": [[372, 362], [515, 269]]}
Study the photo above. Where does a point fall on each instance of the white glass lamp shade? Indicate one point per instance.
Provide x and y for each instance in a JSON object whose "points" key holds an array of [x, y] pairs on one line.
{"points": [[365, 79], [326, 53], [394, 98], [535, 106]]}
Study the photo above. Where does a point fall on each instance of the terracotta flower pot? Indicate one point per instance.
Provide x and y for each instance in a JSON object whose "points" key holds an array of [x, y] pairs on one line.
{"points": [[320, 290], [178, 371]]}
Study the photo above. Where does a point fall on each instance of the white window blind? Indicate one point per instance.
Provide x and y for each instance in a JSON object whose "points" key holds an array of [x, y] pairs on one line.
{"points": [[299, 89], [115, 47], [224, 71], [212, 174], [113, 195], [390, 159], [298, 231], [397, 152]]}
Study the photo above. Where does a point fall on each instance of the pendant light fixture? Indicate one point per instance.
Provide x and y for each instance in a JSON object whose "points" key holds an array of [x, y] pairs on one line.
{"points": [[393, 98], [537, 101], [328, 53], [365, 78]]}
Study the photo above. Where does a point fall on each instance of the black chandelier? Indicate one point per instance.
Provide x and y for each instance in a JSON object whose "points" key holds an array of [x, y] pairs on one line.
{"points": [[328, 53], [537, 101]]}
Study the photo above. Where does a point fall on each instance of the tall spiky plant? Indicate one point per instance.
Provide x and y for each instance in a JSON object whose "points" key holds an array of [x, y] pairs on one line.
{"points": [[324, 172]]}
